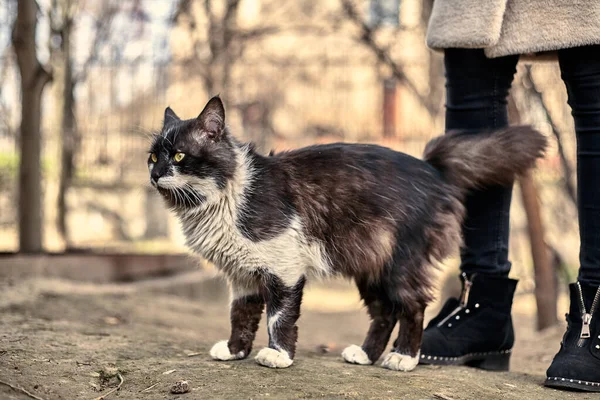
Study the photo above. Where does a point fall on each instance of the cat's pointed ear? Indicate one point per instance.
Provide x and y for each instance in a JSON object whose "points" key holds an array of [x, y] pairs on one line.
{"points": [[212, 118], [170, 116]]}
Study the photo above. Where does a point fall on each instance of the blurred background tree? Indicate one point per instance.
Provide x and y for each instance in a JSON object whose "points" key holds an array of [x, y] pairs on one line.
{"points": [[34, 78]]}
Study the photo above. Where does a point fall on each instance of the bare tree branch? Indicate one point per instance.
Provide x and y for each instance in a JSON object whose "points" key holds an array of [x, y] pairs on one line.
{"points": [[182, 8], [367, 37], [103, 29], [535, 93]]}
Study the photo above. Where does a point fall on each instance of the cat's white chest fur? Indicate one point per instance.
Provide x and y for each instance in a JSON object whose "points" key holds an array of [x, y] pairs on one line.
{"points": [[289, 255], [212, 232]]}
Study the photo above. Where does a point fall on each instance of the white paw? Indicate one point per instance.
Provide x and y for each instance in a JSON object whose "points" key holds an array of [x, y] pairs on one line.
{"points": [[400, 362], [220, 351], [273, 358], [356, 355]]}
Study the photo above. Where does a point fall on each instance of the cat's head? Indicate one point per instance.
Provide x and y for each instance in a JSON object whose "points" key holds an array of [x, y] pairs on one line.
{"points": [[192, 160]]}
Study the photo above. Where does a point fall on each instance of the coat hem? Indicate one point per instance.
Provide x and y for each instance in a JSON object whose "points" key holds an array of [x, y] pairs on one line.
{"points": [[537, 53]]}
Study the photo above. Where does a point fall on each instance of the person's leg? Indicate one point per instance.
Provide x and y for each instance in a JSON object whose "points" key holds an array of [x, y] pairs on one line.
{"points": [[476, 92], [580, 68], [577, 364], [477, 330]]}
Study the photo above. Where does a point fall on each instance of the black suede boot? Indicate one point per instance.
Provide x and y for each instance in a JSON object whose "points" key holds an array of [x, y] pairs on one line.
{"points": [[576, 366], [475, 330]]}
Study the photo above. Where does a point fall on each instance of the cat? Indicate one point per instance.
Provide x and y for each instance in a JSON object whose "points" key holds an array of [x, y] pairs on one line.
{"points": [[380, 217]]}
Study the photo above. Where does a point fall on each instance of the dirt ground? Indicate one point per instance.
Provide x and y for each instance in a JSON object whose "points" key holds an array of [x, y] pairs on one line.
{"points": [[66, 340]]}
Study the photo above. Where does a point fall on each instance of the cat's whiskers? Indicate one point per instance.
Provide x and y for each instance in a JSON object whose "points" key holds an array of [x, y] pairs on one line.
{"points": [[184, 197], [174, 197], [179, 196], [187, 197], [192, 201], [194, 194]]}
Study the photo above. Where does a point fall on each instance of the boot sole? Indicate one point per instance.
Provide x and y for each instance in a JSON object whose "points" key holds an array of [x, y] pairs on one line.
{"points": [[572, 384], [490, 361]]}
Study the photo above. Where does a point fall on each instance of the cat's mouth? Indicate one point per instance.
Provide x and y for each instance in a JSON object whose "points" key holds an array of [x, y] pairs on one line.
{"points": [[163, 191], [180, 198], [167, 194], [170, 197]]}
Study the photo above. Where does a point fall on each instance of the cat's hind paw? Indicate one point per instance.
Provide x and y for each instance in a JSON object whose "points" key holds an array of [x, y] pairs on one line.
{"points": [[400, 362], [220, 351], [356, 355], [273, 358]]}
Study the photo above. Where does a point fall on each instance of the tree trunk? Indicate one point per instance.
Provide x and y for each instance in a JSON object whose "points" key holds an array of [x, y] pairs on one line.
{"points": [[64, 101], [390, 94], [546, 288], [545, 274], [33, 79], [68, 148]]}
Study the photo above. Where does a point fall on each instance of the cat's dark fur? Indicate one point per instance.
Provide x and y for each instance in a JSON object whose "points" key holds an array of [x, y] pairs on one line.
{"points": [[380, 217]]}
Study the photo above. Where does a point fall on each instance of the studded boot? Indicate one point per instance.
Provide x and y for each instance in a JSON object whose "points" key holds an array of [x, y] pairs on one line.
{"points": [[576, 366], [475, 330]]}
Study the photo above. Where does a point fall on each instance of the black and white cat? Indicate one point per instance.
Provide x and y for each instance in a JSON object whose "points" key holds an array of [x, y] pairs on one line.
{"points": [[380, 217]]}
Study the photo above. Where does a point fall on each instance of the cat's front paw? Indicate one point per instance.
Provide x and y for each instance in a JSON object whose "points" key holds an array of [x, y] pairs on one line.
{"points": [[356, 355], [400, 362], [220, 351], [273, 358]]}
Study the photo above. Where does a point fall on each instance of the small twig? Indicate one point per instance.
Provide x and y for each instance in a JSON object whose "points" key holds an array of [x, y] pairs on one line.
{"points": [[113, 390], [194, 354], [441, 396], [21, 390], [95, 333], [148, 388], [169, 372]]}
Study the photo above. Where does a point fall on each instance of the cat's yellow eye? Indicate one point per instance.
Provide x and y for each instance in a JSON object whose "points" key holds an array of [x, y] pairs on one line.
{"points": [[153, 158], [179, 156]]}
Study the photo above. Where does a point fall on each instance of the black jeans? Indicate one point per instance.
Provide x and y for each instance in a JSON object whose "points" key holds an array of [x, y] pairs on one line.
{"points": [[476, 92]]}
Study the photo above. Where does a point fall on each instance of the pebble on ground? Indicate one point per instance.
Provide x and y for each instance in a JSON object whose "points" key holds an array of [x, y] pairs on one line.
{"points": [[180, 387]]}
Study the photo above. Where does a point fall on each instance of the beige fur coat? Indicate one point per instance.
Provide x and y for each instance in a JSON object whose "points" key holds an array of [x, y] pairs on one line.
{"points": [[504, 27]]}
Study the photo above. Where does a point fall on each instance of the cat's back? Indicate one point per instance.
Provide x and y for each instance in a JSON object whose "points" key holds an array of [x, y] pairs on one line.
{"points": [[351, 162], [341, 150]]}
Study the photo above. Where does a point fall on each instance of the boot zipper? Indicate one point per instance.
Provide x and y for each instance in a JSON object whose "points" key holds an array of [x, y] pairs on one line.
{"points": [[586, 317], [464, 299]]}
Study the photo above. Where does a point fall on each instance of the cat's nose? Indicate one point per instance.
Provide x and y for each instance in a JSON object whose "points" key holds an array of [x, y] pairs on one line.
{"points": [[154, 177]]}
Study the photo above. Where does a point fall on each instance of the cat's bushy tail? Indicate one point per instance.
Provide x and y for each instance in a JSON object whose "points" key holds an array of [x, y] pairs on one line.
{"points": [[468, 161]]}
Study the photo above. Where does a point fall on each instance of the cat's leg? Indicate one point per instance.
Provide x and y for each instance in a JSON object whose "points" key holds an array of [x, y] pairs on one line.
{"points": [[283, 310], [246, 308], [405, 354], [383, 321]]}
